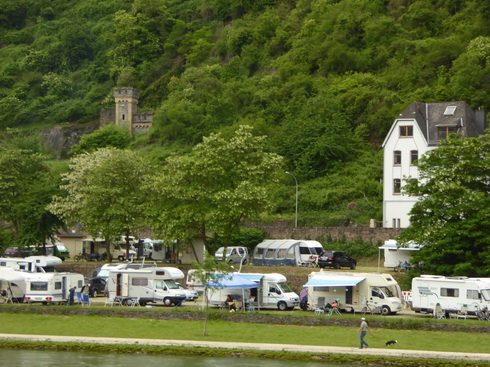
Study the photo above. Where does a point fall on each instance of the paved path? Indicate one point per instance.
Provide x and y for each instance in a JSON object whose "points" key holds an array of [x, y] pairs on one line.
{"points": [[252, 346]]}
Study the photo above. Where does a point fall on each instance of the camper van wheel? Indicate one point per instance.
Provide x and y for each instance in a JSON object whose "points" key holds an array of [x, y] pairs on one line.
{"points": [[167, 302], [282, 306], [120, 258], [385, 310]]}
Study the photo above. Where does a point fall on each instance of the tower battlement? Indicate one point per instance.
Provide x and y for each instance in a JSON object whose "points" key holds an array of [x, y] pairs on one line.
{"points": [[126, 92]]}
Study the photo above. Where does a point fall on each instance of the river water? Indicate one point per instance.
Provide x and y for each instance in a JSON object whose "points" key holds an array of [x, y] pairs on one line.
{"points": [[29, 358]]}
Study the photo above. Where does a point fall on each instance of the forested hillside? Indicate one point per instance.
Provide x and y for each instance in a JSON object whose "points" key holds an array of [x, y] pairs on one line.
{"points": [[323, 79]]}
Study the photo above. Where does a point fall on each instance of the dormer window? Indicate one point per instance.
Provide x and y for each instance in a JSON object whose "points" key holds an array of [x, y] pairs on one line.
{"points": [[444, 131], [406, 131], [450, 110]]}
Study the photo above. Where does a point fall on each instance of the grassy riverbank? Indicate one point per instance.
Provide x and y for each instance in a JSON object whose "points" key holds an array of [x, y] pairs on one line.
{"points": [[27, 323]]}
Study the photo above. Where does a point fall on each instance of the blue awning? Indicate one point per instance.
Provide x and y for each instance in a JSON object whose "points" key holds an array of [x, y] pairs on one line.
{"points": [[233, 281], [334, 282], [253, 277]]}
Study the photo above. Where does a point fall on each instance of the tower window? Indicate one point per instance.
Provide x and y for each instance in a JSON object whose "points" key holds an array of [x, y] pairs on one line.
{"points": [[124, 117]]}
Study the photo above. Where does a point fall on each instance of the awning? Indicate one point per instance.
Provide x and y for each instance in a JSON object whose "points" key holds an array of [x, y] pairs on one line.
{"points": [[233, 281], [334, 282], [253, 277]]}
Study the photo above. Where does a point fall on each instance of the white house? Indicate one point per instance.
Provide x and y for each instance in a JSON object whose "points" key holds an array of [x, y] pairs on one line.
{"points": [[417, 130]]}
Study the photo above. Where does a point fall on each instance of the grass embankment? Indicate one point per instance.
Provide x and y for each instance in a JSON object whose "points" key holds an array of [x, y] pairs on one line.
{"points": [[243, 332]]}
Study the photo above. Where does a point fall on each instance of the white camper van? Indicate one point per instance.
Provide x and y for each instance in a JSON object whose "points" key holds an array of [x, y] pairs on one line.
{"points": [[271, 291], [356, 291], [233, 255], [286, 253], [156, 285], [452, 293]]}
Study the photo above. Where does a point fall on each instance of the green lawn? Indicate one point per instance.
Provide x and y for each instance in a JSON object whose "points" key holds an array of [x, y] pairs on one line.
{"points": [[239, 332]]}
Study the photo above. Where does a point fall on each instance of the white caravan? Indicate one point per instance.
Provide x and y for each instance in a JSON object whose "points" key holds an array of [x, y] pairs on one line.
{"points": [[50, 287], [452, 293], [271, 292], [356, 291], [104, 270], [156, 285]]}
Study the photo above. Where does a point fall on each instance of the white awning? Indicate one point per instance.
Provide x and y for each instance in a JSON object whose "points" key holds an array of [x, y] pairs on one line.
{"points": [[334, 282]]}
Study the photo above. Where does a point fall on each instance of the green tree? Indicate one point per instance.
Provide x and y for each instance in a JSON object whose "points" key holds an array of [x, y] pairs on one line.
{"points": [[104, 192], [452, 218], [212, 189], [108, 136], [26, 188], [208, 273]]}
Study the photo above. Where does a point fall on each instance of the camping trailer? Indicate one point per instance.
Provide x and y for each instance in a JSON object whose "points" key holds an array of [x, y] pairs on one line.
{"points": [[50, 287], [452, 293], [155, 285], [268, 290], [356, 291], [286, 253]]}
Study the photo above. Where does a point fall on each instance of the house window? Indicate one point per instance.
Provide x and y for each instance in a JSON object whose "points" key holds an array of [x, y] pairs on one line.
{"points": [[444, 131], [397, 157], [414, 156], [406, 131], [397, 186]]}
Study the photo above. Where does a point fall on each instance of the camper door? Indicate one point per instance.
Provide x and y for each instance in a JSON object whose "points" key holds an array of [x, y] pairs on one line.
{"points": [[122, 285]]}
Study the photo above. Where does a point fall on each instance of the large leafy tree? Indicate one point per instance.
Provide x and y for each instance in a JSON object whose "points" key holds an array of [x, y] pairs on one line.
{"points": [[213, 188], [103, 192], [452, 219], [26, 186]]}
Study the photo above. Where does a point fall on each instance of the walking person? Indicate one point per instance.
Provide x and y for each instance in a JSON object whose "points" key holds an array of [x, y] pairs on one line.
{"points": [[363, 329], [71, 297]]}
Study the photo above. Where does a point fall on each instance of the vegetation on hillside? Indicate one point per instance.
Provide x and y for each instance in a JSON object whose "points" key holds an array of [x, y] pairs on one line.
{"points": [[323, 79]]}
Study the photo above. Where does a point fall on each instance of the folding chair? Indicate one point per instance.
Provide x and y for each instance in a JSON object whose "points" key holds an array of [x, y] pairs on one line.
{"points": [[134, 302], [463, 313], [439, 312], [79, 298], [86, 300]]}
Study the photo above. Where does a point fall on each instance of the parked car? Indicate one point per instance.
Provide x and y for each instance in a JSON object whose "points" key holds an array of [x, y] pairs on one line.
{"points": [[24, 251], [336, 260], [97, 286], [191, 295]]}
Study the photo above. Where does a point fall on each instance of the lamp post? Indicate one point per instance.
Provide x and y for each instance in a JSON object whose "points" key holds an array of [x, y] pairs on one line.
{"points": [[296, 214]]}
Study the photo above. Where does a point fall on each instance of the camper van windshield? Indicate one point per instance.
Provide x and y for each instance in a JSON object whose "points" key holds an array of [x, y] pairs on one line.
{"points": [[170, 284], [285, 288], [387, 292], [486, 294]]}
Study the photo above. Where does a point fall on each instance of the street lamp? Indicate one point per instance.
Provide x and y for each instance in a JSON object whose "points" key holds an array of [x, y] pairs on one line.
{"points": [[296, 216]]}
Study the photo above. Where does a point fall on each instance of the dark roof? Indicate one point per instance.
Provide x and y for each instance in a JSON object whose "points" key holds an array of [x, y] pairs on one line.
{"points": [[430, 116]]}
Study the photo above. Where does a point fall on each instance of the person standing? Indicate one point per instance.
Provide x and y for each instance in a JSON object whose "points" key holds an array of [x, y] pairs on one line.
{"points": [[71, 298], [363, 329]]}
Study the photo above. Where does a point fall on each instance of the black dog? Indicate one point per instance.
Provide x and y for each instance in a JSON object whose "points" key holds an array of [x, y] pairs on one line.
{"points": [[391, 342]]}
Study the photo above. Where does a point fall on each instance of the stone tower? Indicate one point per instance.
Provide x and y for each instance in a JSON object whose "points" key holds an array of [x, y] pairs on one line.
{"points": [[126, 99]]}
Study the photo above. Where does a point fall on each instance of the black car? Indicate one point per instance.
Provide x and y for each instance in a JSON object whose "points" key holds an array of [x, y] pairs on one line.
{"points": [[97, 286], [336, 259]]}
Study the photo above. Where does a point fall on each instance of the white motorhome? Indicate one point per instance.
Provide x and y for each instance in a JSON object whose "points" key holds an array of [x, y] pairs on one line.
{"points": [[155, 285], [356, 291], [104, 270], [452, 293], [31, 264], [271, 292], [286, 253]]}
